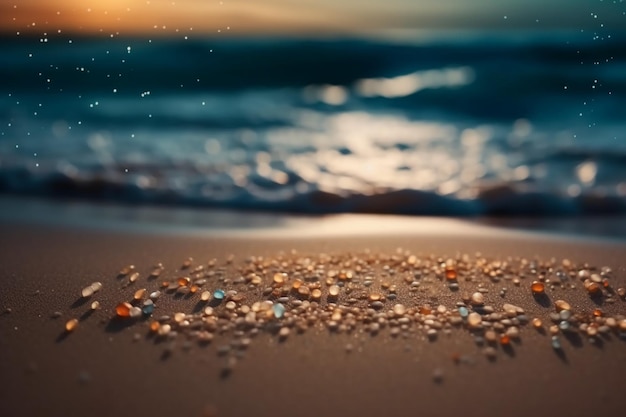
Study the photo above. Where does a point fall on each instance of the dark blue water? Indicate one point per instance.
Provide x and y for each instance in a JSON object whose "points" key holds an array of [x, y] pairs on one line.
{"points": [[476, 123]]}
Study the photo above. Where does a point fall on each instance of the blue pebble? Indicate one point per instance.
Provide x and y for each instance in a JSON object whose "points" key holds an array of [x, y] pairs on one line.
{"points": [[147, 308], [279, 310], [556, 343], [464, 312], [564, 325], [219, 294]]}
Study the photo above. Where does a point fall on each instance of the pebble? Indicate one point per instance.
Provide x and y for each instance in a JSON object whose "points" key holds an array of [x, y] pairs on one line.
{"points": [[596, 278], [284, 332], [399, 309], [474, 319], [477, 299], [139, 294], [592, 330], [89, 290], [219, 294], [374, 297], [134, 312], [593, 288], [490, 352], [164, 329], [513, 332], [95, 305], [304, 291], [71, 325], [123, 309], [147, 307], [512, 309], [562, 305], [377, 305], [279, 278], [565, 314], [279, 310], [127, 270], [537, 288]]}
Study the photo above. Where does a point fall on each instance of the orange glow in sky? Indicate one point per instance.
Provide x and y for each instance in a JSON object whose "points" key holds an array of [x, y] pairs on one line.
{"points": [[167, 17]]}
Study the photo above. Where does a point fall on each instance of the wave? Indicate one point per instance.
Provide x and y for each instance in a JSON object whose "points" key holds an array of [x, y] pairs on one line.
{"points": [[293, 196], [234, 64], [484, 125]]}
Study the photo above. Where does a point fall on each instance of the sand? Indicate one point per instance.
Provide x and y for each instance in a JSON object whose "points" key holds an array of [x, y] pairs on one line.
{"points": [[100, 370]]}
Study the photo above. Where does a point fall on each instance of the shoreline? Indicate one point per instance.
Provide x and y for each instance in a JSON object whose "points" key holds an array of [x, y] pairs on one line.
{"points": [[105, 370], [179, 221]]}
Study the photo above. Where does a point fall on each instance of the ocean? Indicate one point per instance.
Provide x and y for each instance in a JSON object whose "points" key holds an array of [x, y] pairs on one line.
{"points": [[477, 123]]}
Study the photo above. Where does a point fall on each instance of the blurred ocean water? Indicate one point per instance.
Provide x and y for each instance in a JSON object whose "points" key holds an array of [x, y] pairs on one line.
{"points": [[483, 123]]}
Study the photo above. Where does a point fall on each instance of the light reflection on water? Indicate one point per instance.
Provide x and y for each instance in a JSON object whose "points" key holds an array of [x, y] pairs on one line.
{"points": [[444, 131]]}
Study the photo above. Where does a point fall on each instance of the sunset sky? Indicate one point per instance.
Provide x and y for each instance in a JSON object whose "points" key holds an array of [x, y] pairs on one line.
{"points": [[296, 16]]}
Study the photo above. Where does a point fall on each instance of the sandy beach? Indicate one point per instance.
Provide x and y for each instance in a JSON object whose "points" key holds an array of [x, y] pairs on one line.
{"points": [[106, 369], [309, 209]]}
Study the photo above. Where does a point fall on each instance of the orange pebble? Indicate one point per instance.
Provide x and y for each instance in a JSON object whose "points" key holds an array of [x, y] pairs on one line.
{"points": [[123, 309], [451, 274], [592, 288], [71, 325], [505, 340], [537, 287], [425, 310]]}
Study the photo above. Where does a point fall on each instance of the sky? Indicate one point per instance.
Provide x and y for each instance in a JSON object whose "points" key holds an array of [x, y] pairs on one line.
{"points": [[299, 16]]}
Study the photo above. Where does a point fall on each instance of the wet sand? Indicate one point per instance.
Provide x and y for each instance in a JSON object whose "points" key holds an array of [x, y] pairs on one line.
{"points": [[101, 370]]}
